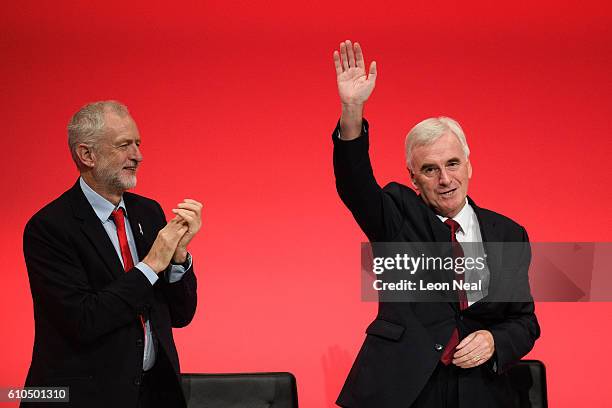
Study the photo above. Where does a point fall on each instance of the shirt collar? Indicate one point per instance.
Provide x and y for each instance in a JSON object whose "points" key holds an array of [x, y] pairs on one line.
{"points": [[101, 206], [464, 217]]}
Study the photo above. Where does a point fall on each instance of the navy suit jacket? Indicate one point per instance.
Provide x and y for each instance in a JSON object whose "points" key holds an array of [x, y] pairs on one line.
{"points": [[403, 344], [88, 335]]}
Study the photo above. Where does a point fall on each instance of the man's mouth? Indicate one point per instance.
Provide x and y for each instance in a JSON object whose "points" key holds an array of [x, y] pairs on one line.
{"points": [[448, 193], [130, 168]]}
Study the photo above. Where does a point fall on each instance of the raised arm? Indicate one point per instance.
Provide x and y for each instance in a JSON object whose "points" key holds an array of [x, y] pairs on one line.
{"points": [[372, 207], [354, 87]]}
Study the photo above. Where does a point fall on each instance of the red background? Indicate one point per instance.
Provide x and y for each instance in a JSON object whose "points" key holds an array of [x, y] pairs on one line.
{"points": [[236, 100]]}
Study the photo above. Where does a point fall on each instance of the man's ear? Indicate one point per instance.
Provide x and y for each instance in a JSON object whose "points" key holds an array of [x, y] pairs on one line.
{"points": [[86, 155], [412, 178], [469, 164]]}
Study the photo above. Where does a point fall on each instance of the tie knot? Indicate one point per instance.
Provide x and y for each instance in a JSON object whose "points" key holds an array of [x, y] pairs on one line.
{"points": [[453, 225], [117, 215]]}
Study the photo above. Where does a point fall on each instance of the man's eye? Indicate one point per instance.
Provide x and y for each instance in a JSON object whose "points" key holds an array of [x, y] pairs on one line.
{"points": [[452, 165], [428, 170]]}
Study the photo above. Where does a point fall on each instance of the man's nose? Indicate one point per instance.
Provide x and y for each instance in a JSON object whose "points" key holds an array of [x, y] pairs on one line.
{"points": [[135, 153], [444, 178]]}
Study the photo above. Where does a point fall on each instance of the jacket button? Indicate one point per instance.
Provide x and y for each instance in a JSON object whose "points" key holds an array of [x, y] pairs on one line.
{"points": [[137, 380], [139, 342], [438, 347]]}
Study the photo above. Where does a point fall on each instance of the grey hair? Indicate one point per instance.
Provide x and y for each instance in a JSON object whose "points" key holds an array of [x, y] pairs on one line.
{"points": [[87, 124], [430, 130]]}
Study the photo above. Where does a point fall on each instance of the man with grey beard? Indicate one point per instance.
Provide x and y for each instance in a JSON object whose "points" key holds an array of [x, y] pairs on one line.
{"points": [[109, 277]]}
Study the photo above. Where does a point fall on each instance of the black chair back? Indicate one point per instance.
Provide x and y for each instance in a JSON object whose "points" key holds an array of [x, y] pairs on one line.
{"points": [[256, 390], [528, 378]]}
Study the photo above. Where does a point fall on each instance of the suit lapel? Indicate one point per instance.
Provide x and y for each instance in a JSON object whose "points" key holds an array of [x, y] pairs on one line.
{"points": [[490, 239], [95, 232], [439, 231], [142, 231], [487, 225]]}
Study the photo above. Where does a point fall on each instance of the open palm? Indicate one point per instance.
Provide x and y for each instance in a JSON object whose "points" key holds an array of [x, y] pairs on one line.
{"points": [[354, 86]]}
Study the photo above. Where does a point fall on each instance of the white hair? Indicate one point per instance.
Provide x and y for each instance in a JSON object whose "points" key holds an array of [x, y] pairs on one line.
{"points": [[87, 124], [430, 130]]}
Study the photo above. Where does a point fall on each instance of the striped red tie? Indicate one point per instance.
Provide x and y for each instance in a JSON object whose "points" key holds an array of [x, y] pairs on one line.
{"points": [[449, 350]]}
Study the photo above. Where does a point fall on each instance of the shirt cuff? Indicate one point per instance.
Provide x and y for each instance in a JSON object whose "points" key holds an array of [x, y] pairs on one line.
{"points": [[364, 130], [176, 272], [148, 272]]}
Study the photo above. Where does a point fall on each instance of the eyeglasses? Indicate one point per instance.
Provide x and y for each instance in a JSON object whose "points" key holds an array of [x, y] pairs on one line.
{"points": [[435, 171]]}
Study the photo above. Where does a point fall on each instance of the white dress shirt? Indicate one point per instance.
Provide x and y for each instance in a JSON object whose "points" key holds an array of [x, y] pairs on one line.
{"points": [[469, 234]]}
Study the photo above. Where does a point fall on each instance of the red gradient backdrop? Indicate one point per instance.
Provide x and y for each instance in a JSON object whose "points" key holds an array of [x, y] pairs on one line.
{"points": [[236, 100]]}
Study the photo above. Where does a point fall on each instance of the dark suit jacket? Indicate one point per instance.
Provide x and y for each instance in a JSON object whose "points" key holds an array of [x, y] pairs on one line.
{"points": [[87, 332], [403, 344]]}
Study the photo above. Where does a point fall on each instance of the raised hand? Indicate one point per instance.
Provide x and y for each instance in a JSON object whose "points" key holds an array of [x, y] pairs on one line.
{"points": [[354, 86]]}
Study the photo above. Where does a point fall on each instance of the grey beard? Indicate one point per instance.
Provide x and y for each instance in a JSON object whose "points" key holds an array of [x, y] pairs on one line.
{"points": [[114, 183]]}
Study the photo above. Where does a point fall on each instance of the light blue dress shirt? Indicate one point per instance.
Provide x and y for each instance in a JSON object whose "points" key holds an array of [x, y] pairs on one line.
{"points": [[103, 209]]}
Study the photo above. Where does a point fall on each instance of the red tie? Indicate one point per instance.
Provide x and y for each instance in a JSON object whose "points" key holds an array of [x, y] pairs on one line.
{"points": [[126, 254], [449, 350]]}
